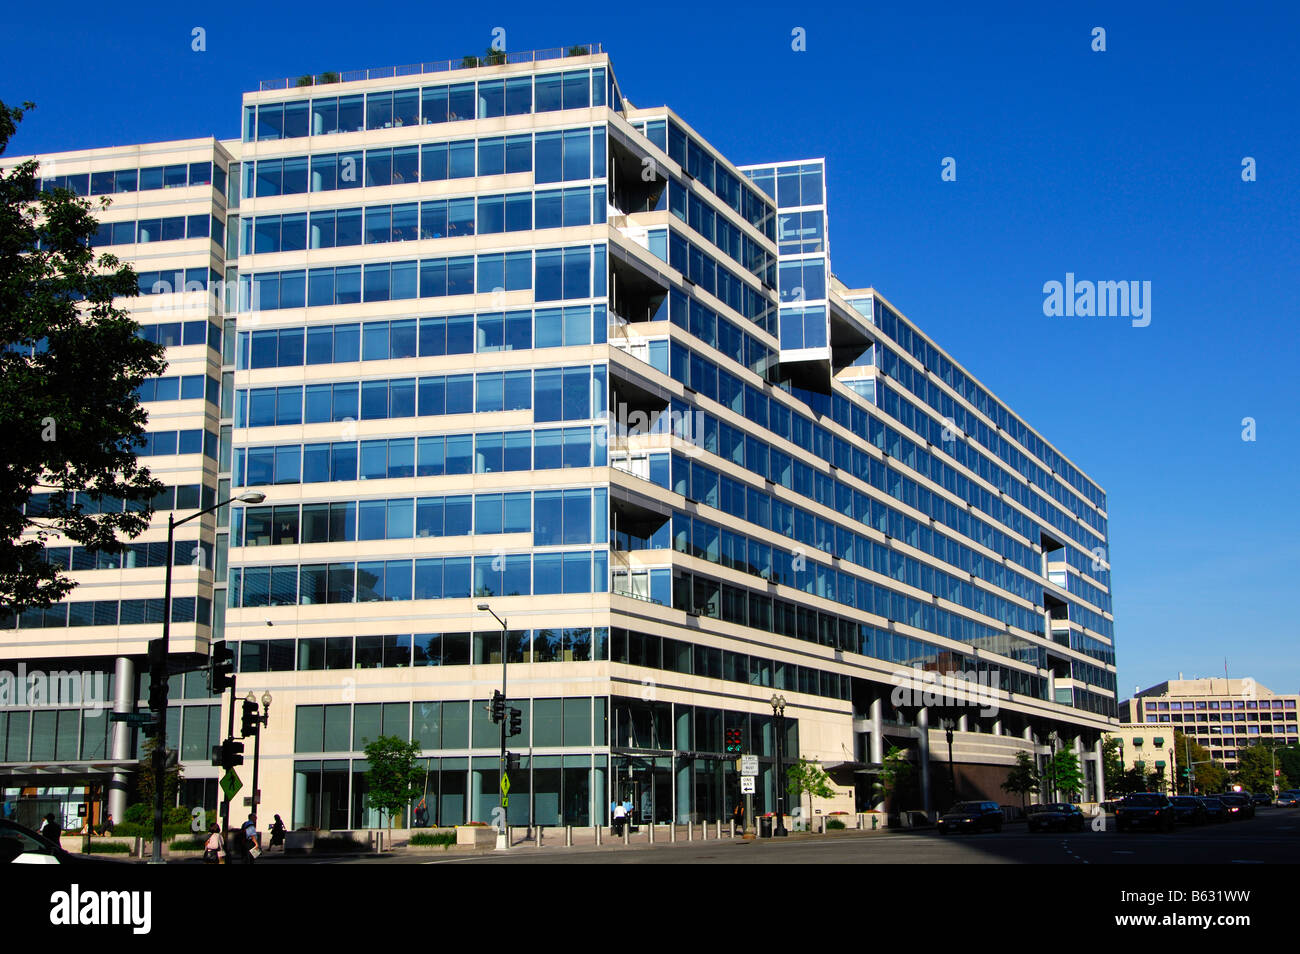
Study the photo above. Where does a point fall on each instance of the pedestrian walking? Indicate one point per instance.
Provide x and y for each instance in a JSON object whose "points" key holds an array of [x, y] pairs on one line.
{"points": [[277, 833], [620, 818], [51, 829], [251, 846], [214, 849]]}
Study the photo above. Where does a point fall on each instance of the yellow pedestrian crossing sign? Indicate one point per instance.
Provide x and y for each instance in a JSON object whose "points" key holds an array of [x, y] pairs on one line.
{"points": [[505, 784]]}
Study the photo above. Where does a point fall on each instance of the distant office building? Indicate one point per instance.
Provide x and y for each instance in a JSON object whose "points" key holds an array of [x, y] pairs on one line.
{"points": [[1224, 715], [490, 334]]}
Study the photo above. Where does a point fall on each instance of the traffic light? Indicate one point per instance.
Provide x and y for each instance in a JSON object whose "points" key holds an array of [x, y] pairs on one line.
{"points": [[516, 721], [221, 668], [498, 706], [733, 741], [512, 762], [230, 753], [250, 721], [157, 683]]}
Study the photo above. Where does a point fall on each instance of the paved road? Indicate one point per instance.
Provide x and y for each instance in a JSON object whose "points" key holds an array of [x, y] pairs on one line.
{"points": [[1273, 836]]}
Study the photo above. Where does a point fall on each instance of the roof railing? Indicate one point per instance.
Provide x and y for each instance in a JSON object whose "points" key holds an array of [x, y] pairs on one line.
{"points": [[441, 66]]}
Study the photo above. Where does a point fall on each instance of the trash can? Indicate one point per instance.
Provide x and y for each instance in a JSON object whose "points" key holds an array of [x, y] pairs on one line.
{"points": [[765, 826]]}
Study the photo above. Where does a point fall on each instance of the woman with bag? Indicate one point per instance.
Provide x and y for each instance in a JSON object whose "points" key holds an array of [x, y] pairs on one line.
{"points": [[214, 849]]}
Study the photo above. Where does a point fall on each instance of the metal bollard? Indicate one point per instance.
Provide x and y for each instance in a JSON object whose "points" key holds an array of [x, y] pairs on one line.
{"points": [[672, 831], [627, 832], [596, 831], [568, 836], [719, 829], [650, 830], [690, 830], [539, 836], [733, 828]]}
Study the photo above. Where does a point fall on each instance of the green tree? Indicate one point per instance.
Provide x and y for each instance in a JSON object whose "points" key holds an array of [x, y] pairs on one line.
{"points": [[1112, 765], [1022, 778], [494, 57], [894, 775], [1288, 760], [1207, 776], [70, 364], [806, 777], [1255, 768], [1063, 773], [144, 779], [396, 775]]}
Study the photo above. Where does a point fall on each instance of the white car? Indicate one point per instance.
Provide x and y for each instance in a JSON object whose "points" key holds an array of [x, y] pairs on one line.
{"points": [[22, 846]]}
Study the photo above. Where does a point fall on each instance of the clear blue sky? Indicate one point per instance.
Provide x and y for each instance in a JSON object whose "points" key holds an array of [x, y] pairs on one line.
{"points": [[1117, 165]]}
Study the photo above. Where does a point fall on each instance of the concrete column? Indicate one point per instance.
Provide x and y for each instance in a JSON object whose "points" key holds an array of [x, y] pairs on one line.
{"points": [[877, 731], [1101, 773], [123, 701], [923, 724], [961, 723], [997, 726]]}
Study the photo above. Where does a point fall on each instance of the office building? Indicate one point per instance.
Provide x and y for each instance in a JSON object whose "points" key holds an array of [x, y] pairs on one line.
{"points": [[490, 334]]}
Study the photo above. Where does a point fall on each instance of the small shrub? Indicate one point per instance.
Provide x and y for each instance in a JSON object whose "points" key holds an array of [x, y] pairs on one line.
{"points": [[834, 824], [196, 843], [108, 848], [138, 814], [443, 838], [304, 81]]}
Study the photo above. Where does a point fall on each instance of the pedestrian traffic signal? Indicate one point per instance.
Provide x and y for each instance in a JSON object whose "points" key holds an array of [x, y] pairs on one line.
{"points": [[249, 721], [498, 706], [221, 668], [516, 721], [512, 762], [733, 741], [232, 753]]}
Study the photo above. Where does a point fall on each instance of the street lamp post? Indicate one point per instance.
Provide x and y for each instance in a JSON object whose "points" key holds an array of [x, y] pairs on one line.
{"points": [[778, 712], [948, 726], [262, 720], [160, 746], [503, 842]]}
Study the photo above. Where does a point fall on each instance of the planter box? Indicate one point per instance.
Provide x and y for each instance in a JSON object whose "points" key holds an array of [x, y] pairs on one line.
{"points": [[475, 836], [299, 842]]}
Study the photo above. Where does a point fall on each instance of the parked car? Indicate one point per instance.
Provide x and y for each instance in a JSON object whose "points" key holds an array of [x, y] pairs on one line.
{"points": [[22, 846], [1261, 798], [1238, 805], [1057, 816], [1189, 810], [1215, 810], [972, 816], [1145, 810]]}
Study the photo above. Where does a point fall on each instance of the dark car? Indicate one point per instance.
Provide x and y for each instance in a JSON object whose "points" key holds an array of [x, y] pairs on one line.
{"points": [[1287, 799], [1189, 810], [1215, 810], [1145, 810], [1238, 805], [1260, 798], [20, 845], [1057, 816], [971, 816]]}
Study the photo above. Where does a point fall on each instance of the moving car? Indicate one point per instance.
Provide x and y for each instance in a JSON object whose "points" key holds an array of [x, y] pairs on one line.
{"points": [[1287, 799], [1189, 810], [1215, 810], [22, 846], [1260, 798], [1145, 810], [1057, 816], [1238, 805], [971, 816]]}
